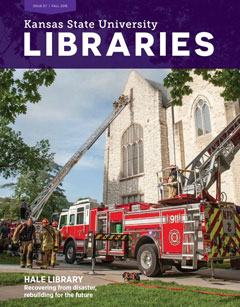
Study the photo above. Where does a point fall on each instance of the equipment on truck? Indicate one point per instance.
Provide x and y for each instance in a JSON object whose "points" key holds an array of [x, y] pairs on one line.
{"points": [[186, 231]]}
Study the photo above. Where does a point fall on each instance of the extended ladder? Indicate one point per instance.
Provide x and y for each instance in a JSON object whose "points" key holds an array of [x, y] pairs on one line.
{"points": [[217, 156], [37, 205]]}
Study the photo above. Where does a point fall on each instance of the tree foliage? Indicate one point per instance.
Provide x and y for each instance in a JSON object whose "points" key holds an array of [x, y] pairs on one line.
{"points": [[31, 183], [9, 208], [15, 93], [17, 157], [179, 80]]}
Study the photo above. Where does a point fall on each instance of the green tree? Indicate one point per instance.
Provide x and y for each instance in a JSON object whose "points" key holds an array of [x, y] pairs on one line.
{"points": [[179, 80], [17, 157], [31, 183], [9, 208], [15, 94]]}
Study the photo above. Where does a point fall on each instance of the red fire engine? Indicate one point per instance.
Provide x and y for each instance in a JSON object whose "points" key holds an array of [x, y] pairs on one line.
{"points": [[186, 231]]}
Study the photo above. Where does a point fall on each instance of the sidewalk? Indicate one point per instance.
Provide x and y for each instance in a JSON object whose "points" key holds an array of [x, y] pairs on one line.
{"points": [[224, 279]]}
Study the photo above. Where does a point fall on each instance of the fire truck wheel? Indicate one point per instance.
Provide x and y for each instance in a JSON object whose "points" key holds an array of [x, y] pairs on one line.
{"points": [[147, 260], [70, 252], [178, 267]]}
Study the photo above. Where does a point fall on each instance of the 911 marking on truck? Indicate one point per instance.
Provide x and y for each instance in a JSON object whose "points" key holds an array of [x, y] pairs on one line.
{"points": [[174, 218]]}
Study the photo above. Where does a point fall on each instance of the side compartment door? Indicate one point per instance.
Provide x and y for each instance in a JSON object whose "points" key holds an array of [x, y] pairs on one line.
{"points": [[101, 227], [116, 247], [80, 228], [172, 231]]}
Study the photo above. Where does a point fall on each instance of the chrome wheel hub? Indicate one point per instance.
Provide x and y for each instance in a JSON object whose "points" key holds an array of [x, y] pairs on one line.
{"points": [[146, 260], [70, 252]]}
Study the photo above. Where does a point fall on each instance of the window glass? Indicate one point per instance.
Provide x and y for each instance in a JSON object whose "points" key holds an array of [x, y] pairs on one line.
{"points": [[63, 221], [130, 160], [131, 199], [130, 135], [132, 151], [136, 198], [124, 153], [206, 116], [140, 145], [199, 122], [135, 159], [72, 219], [80, 217], [124, 200]]}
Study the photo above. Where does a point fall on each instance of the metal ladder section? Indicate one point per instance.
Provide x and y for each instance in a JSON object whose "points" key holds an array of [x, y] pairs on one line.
{"points": [[221, 150], [190, 238], [37, 205]]}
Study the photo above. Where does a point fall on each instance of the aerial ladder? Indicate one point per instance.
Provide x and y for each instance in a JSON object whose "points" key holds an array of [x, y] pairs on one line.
{"points": [[37, 205], [206, 168]]}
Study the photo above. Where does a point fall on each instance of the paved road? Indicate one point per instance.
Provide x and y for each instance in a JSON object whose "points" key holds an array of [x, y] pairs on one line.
{"points": [[224, 279]]}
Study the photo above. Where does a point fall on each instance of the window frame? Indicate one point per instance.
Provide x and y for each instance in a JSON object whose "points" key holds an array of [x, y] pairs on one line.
{"points": [[82, 212], [199, 106], [132, 164]]}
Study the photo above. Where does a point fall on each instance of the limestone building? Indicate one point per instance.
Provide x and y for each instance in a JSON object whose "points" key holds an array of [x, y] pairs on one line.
{"points": [[149, 135]]}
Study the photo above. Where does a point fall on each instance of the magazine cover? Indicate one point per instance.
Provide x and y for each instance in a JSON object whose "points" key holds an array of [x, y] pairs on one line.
{"points": [[119, 153]]}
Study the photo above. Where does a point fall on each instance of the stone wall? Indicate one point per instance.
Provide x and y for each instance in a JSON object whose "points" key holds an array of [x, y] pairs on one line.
{"points": [[160, 142], [145, 110], [221, 114]]}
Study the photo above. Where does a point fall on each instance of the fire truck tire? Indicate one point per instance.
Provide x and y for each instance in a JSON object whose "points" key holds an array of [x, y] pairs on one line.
{"points": [[147, 260], [178, 267], [70, 252]]}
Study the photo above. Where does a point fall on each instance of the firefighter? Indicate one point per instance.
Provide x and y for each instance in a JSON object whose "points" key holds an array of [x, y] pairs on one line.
{"points": [[26, 234], [23, 209], [57, 243], [47, 237], [172, 182], [4, 238]]}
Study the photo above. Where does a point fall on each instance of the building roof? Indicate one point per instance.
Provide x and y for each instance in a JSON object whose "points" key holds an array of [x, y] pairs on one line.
{"points": [[166, 92]]}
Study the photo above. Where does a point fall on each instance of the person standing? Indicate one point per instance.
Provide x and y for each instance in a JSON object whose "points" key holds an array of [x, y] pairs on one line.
{"points": [[172, 183], [23, 209], [4, 238], [26, 237], [57, 243], [47, 237]]}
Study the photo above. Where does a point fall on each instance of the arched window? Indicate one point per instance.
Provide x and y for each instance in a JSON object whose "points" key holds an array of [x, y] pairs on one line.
{"points": [[132, 151], [202, 118]]}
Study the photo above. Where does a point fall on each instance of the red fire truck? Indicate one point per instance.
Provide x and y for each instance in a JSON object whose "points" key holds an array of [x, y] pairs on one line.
{"points": [[186, 231], [186, 234]]}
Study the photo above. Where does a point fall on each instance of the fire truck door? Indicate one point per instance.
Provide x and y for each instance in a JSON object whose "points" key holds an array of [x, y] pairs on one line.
{"points": [[62, 226], [172, 231], [101, 245], [116, 227]]}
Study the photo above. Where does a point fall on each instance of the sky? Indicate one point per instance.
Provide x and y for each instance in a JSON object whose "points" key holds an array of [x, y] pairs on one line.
{"points": [[70, 110]]}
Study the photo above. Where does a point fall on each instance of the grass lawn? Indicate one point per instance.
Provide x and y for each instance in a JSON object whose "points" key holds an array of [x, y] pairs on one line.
{"points": [[10, 279], [224, 265], [124, 295], [6, 259]]}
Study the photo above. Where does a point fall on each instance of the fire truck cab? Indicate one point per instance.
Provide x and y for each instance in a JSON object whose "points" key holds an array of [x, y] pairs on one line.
{"points": [[74, 225]]}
